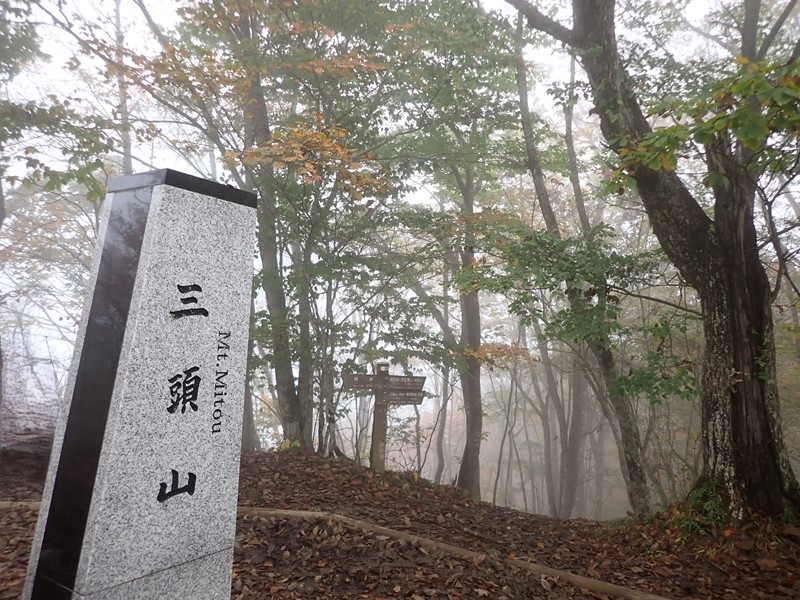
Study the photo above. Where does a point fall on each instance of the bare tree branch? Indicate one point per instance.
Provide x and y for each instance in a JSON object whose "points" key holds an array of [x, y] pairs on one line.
{"points": [[776, 27], [542, 22]]}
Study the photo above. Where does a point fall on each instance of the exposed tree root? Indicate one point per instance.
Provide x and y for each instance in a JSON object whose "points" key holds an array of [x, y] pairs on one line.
{"points": [[11, 505], [594, 585]]}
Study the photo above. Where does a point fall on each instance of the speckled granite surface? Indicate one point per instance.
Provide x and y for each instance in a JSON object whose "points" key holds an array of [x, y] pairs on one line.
{"points": [[163, 505]]}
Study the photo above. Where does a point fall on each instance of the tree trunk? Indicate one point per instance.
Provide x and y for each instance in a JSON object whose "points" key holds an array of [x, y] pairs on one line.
{"points": [[446, 390], [534, 504], [547, 448], [506, 432], [418, 440], [292, 413], [628, 441], [598, 445], [469, 367], [441, 425], [2, 220], [520, 470], [742, 441], [250, 440], [2, 195], [744, 453], [469, 474], [572, 457], [572, 156], [301, 258]]}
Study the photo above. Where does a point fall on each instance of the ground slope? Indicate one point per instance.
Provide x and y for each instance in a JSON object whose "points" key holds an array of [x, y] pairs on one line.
{"points": [[313, 527]]}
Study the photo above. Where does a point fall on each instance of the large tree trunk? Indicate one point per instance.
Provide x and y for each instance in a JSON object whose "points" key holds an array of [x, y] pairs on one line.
{"points": [[742, 439], [291, 411], [745, 458], [241, 39]]}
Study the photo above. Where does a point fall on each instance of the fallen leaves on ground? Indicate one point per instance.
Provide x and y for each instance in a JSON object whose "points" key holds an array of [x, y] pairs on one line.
{"points": [[278, 557]]}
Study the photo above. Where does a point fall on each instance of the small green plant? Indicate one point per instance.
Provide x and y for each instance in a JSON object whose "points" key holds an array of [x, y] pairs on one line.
{"points": [[790, 516], [703, 513], [289, 445], [763, 364]]}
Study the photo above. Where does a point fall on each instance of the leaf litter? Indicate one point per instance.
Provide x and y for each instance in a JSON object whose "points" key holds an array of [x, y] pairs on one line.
{"points": [[315, 557]]}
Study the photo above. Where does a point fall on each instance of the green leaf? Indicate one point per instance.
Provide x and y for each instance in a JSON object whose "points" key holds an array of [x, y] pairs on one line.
{"points": [[753, 132], [702, 136]]}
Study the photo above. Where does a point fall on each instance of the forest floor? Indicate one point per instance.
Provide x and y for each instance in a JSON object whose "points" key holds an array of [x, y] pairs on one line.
{"points": [[315, 528]]}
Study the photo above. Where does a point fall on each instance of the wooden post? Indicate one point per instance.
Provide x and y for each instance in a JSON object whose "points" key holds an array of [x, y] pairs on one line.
{"points": [[398, 389], [377, 453]]}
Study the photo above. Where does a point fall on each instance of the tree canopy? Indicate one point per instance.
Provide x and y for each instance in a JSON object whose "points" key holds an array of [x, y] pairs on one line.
{"points": [[578, 219]]}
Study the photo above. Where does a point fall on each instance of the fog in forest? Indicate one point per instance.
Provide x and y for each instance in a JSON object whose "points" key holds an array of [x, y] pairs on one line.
{"points": [[577, 221]]}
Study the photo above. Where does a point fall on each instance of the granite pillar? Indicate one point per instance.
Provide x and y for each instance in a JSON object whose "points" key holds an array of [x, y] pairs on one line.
{"points": [[140, 498]]}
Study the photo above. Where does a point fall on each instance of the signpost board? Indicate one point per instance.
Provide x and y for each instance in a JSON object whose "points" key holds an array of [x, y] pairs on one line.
{"points": [[357, 381], [405, 382], [389, 390], [404, 397]]}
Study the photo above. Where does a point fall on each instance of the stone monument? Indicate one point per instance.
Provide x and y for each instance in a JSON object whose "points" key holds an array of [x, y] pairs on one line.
{"points": [[140, 498]]}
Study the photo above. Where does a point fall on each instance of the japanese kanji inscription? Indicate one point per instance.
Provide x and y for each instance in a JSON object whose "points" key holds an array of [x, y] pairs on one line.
{"points": [[186, 299], [183, 389], [145, 458]]}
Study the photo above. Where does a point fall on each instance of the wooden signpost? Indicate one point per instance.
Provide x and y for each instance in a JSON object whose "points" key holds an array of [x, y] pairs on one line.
{"points": [[389, 390]]}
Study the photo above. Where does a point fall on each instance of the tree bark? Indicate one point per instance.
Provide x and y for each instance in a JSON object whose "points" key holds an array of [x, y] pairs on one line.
{"points": [[301, 259], [250, 441], [744, 453], [441, 425], [469, 366], [543, 411], [292, 412], [469, 473], [572, 456]]}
